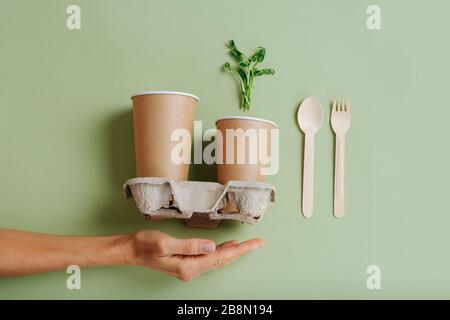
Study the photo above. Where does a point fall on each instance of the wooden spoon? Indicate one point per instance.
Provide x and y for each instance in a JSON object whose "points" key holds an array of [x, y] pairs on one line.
{"points": [[309, 117]]}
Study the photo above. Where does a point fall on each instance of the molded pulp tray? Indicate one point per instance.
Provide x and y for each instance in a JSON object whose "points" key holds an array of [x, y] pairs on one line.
{"points": [[201, 204]]}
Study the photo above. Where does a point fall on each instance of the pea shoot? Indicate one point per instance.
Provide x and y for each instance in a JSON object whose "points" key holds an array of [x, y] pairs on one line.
{"points": [[246, 71]]}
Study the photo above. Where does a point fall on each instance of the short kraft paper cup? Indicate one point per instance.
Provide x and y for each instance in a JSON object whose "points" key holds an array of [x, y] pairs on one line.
{"points": [[156, 114], [246, 171]]}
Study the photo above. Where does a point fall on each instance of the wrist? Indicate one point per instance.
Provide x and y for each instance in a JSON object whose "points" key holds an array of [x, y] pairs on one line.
{"points": [[107, 251], [125, 247]]}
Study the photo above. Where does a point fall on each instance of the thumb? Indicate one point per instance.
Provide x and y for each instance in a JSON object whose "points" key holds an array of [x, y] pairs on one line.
{"points": [[191, 247]]}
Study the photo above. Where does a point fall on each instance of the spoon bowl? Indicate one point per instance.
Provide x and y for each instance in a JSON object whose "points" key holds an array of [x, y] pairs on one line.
{"points": [[310, 115]]}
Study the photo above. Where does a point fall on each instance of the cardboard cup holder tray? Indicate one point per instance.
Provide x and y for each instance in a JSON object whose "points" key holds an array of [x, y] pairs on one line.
{"points": [[200, 204]]}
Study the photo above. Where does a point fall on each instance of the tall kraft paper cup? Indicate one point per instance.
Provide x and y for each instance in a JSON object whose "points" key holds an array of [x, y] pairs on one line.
{"points": [[156, 114], [247, 171]]}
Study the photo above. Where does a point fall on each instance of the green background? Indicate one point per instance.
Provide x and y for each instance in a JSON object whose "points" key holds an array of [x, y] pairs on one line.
{"points": [[67, 145]]}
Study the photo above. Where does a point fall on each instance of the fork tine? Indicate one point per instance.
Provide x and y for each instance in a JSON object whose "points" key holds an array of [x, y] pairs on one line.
{"points": [[340, 104], [347, 107], [334, 108]]}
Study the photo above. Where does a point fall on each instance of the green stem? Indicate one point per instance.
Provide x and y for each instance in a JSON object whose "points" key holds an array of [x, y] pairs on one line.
{"points": [[243, 89]]}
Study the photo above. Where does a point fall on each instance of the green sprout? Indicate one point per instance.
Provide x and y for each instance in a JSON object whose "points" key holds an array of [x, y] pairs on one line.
{"points": [[245, 71]]}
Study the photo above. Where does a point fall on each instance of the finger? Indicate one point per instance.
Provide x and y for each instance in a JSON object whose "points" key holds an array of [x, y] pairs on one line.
{"points": [[190, 247], [180, 266], [223, 256], [228, 244]]}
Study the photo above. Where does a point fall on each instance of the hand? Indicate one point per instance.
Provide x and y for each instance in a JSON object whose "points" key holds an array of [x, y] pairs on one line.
{"points": [[184, 259]]}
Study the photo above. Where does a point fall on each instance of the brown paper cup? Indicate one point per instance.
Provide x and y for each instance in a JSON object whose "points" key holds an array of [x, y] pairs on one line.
{"points": [[249, 170], [156, 114]]}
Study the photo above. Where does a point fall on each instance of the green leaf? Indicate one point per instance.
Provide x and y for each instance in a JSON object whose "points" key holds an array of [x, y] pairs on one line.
{"points": [[235, 53], [244, 64], [262, 72], [259, 55], [231, 44], [242, 74], [227, 67]]}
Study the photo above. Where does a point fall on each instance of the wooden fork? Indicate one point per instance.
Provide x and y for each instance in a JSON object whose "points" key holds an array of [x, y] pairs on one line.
{"points": [[340, 121]]}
